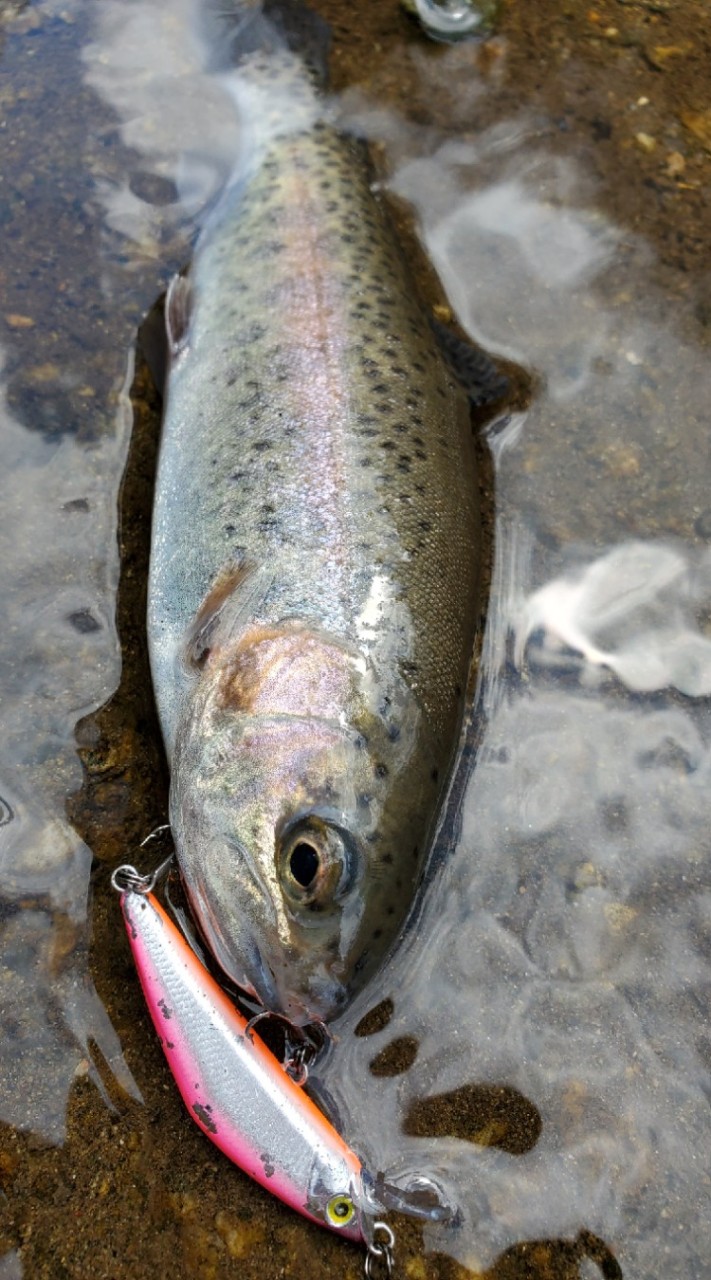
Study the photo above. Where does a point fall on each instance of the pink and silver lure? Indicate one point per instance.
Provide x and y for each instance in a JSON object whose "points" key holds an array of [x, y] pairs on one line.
{"points": [[234, 1088]]}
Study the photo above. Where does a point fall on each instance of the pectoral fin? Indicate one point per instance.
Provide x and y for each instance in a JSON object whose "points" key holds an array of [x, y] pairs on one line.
{"points": [[178, 300], [237, 590], [152, 344]]}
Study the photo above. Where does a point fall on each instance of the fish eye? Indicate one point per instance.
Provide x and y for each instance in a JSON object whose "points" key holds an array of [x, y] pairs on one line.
{"points": [[304, 863], [340, 1211], [315, 861]]}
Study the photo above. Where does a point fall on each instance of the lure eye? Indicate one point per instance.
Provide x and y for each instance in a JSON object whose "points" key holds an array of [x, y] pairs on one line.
{"points": [[340, 1211], [316, 863]]}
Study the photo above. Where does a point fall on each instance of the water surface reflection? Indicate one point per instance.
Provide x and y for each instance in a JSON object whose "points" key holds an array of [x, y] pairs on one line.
{"points": [[562, 950]]}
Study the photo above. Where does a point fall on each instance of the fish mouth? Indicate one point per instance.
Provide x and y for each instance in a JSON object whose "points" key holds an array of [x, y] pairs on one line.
{"points": [[260, 977], [319, 1002]]}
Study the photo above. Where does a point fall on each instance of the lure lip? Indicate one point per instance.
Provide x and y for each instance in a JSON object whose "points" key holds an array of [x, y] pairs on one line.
{"points": [[236, 1091]]}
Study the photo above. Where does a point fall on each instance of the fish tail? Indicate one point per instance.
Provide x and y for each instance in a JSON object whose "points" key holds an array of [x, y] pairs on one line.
{"points": [[238, 29]]}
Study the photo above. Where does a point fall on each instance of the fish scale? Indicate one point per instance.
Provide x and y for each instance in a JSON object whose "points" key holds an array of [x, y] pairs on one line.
{"points": [[316, 512]]}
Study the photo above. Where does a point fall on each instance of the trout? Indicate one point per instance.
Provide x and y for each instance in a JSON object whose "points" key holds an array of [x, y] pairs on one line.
{"points": [[314, 565]]}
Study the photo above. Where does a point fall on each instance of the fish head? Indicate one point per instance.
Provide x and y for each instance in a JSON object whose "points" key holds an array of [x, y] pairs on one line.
{"points": [[278, 823]]}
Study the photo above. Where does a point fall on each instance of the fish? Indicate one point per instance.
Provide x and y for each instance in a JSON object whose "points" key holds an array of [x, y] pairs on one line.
{"points": [[315, 556], [236, 1091]]}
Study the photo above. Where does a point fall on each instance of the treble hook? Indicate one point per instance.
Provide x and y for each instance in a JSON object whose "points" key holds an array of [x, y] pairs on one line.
{"points": [[127, 877], [296, 1064]]}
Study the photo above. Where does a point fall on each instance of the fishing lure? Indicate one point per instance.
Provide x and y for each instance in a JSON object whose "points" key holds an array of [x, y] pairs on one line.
{"points": [[237, 1091]]}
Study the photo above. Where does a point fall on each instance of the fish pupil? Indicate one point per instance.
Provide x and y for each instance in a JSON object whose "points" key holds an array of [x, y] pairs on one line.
{"points": [[304, 863]]}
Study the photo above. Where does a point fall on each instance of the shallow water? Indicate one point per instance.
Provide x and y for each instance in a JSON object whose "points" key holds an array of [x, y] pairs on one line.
{"points": [[556, 984]]}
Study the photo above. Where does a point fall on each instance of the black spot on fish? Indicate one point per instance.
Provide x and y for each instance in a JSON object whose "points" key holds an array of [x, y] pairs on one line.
{"points": [[381, 770], [261, 446], [167, 1013], [169, 1044], [203, 1115], [361, 962], [269, 1167]]}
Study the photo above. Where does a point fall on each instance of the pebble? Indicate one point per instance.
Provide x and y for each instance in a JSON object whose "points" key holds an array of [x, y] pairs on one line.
{"points": [[699, 124], [676, 164], [618, 915], [645, 141], [16, 321], [241, 1239]]}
